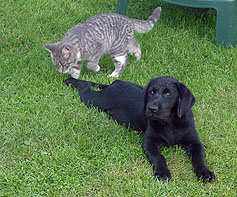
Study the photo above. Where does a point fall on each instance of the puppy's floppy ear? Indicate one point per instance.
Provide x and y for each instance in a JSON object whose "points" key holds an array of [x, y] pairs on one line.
{"points": [[145, 91], [186, 100]]}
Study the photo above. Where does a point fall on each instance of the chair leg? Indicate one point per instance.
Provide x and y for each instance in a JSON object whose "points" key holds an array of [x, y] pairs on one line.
{"points": [[122, 7], [226, 26]]}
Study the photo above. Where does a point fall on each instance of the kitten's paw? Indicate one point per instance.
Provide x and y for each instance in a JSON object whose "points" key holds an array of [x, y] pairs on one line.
{"points": [[97, 69], [75, 75], [114, 74], [138, 54]]}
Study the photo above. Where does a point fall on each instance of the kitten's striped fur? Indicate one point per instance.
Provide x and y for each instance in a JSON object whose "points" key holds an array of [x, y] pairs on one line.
{"points": [[104, 33]]}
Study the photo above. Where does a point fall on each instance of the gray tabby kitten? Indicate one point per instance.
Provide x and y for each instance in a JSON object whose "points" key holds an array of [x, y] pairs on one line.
{"points": [[104, 33]]}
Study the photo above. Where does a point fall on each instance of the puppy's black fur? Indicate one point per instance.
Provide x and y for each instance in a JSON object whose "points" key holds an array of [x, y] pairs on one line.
{"points": [[161, 112]]}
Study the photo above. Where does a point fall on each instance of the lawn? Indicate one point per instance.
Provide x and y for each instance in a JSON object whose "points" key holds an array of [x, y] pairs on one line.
{"points": [[52, 145]]}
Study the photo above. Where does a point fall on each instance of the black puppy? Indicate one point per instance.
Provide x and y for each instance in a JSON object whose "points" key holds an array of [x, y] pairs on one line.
{"points": [[161, 112]]}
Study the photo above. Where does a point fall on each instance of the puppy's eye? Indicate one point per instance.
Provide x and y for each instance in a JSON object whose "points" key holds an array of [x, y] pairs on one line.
{"points": [[166, 93], [152, 92]]}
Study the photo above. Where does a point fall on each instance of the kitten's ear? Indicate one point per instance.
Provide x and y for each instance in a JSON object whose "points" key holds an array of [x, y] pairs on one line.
{"points": [[50, 47], [67, 51]]}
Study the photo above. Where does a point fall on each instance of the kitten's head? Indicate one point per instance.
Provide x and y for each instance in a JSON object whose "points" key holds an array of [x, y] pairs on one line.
{"points": [[63, 56]]}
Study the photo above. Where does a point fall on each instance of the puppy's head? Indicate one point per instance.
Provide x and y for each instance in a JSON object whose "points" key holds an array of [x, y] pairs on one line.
{"points": [[166, 96]]}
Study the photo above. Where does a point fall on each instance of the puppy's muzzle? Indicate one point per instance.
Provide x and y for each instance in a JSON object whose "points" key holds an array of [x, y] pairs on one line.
{"points": [[153, 108]]}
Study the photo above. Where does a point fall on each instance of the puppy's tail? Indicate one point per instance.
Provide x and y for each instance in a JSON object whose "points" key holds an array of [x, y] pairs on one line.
{"points": [[82, 85], [141, 26]]}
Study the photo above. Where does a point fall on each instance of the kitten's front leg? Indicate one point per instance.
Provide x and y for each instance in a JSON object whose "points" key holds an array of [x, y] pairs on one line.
{"points": [[120, 65], [93, 66], [76, 70]]}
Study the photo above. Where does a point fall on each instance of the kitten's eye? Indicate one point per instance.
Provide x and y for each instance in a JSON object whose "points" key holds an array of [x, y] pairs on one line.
{"points": [[60, 64]]}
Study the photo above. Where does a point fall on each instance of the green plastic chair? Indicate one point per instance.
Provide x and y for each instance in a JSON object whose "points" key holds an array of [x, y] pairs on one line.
{"points": [[226, 24]]}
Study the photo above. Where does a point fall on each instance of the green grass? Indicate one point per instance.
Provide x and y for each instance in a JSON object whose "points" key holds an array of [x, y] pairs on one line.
{"points": [[51, 144]]}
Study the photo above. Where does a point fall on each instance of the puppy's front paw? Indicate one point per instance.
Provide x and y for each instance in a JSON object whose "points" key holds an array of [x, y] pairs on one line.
{"points": [[162, 174], [205, 174]]}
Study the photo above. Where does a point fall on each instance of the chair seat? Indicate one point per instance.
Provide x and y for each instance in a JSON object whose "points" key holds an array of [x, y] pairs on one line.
{"points": [[226, 24], [200, 3]]}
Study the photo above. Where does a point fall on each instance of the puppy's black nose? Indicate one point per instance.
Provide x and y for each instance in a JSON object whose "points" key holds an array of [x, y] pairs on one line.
{"points": [[153, 108]]}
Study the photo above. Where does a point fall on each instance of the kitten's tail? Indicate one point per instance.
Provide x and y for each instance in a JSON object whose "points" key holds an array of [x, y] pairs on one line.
{"points": [[141, 26]]}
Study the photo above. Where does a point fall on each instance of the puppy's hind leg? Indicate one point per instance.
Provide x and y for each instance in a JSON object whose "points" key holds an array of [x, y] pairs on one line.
{"points": [[78, 84], [87, 95], [81, 85]]}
